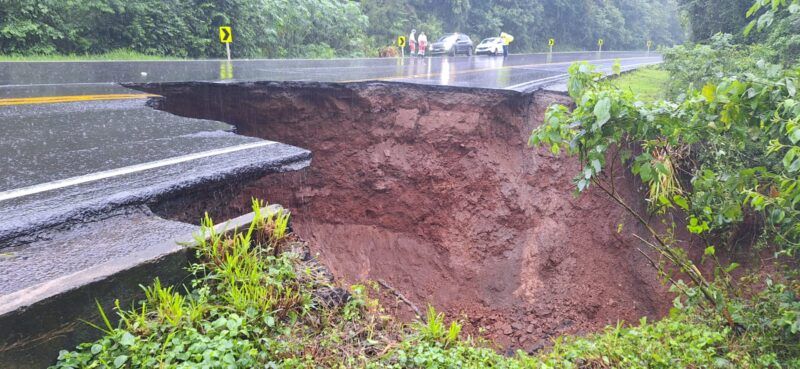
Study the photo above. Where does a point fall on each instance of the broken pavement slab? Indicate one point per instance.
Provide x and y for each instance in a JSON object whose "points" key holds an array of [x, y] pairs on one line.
{"points": [[26, 211], [44, 318]]}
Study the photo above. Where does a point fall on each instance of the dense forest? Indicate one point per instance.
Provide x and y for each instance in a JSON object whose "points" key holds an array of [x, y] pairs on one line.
{"points": [[779, 34], [324, 28]]}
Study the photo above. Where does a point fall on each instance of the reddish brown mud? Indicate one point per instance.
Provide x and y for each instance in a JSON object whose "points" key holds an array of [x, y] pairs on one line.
{"points": [[434, 191]]}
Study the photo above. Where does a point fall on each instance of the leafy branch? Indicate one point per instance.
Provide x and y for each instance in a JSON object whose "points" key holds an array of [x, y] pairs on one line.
{"points": [[702, 137]]}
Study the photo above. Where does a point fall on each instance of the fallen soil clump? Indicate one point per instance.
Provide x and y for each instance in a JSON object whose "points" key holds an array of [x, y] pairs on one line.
{"points": [[434, 191]]}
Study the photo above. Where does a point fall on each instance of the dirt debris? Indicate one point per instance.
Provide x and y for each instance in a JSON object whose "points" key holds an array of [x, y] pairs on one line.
{"points": [[434, 190]]}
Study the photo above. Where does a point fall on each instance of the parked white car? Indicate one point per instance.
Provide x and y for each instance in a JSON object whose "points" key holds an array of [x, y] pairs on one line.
{"points": [[490, 46]]}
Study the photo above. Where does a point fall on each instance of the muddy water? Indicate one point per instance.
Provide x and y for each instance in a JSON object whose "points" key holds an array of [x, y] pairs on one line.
{"points": [[434, 191]]}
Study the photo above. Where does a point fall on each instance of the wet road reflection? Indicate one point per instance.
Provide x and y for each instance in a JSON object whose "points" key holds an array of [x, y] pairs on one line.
{"points": [[476, 71]]}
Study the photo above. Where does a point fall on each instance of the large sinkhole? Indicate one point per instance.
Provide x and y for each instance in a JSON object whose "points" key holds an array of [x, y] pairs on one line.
{"points": [[434, 191]]}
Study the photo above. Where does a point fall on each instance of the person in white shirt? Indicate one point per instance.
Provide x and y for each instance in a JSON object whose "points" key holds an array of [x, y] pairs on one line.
{"points": [[412, 42]]}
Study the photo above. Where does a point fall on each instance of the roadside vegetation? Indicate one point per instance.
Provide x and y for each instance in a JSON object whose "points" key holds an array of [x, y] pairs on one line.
{"points": [[646, 84], [120, 54], [257, 300], [719, 156]]}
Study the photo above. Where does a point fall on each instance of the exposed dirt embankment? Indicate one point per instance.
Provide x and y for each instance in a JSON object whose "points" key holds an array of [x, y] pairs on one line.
{"points": [[435, 191]]}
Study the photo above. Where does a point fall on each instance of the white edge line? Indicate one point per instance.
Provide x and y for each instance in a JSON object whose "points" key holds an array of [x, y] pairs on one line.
{"points": [[626, 67], [514, 87], [26, 191]]}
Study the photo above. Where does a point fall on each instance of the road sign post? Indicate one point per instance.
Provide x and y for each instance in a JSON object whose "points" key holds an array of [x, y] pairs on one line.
{"points": [[401, 41], [552, 43], [225, 70], [226, 37], [649, 45], [600, 45]]}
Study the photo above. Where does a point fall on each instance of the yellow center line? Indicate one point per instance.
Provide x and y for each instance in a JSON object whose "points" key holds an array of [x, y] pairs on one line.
{"points": [[481, 70], [74, 98]]}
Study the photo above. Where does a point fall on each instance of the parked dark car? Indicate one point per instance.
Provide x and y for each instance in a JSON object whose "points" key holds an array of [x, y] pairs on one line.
{"points": [[452, 44]]}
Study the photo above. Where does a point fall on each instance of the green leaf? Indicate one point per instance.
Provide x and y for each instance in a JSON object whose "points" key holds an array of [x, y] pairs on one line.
{"points": [[646, 172], [794, 135], [96, 348], [602, 111], [709, 251], [127, 339], [596, 165], [790, 87], [120, 361], [731, 267], [757, 201], [681, 201], [765, 20], [753, 9], [709, 92], [795, 166], [778, 216], [791, 161]]}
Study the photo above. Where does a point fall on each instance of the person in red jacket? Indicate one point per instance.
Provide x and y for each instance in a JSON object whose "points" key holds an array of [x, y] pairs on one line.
{"points": [[422, 42]]}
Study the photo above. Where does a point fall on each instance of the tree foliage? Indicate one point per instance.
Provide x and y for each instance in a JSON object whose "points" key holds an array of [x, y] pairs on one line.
{"points": [[322, 28], [623, 24], [772, 24], [183, 28], [707, 18]]}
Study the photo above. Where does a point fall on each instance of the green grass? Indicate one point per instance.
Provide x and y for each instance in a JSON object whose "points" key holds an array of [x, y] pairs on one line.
{"points": [[256, 302], [648, 84], [121, 54]]}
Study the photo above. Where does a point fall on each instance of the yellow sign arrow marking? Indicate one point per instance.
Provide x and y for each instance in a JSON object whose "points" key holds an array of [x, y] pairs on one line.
{"points": [[225, 35]]}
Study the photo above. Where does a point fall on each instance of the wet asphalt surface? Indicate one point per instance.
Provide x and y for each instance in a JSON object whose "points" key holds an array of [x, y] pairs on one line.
{"points": [[45, 142], [75, 254], [65, 163], [514, 72], [81, 138]]}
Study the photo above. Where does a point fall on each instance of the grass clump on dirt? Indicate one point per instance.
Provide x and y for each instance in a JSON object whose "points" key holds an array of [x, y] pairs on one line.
{"points": [[258, 300]]}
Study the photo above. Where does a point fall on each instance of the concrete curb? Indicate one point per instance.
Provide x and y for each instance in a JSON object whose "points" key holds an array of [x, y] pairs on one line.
{"points": [[37, 322]]}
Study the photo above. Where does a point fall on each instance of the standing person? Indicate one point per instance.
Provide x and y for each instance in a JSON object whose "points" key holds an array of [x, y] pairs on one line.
{"points": [[422, 42], [412, 42], [507, 39]]}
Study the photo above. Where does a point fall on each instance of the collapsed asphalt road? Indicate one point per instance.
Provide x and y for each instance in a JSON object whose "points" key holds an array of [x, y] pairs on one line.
{"points": [[93, 174], [435, 191]]}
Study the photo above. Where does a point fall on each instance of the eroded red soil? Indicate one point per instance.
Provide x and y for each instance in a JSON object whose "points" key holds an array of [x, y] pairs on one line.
{"points": [[435, 191]]}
